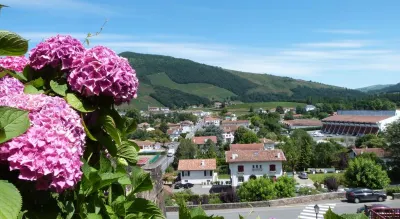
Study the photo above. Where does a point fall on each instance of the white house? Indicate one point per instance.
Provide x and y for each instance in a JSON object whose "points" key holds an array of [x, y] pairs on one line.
{"points": [[208, 121], [229, 133], [309, 108], [174, 133], [186, 126], [248, 164], [198, 171], [153, 109]]}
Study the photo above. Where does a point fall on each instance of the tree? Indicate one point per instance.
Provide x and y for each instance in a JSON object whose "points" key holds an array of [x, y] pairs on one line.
{"points": [[223, 112], [280, 110], [186, 150], [326, 154], [164, 127], [322, 115], [212, 130], [302, 139], [392, 135], [134, 114], [288, 116], [285, 187], [208, 150], [371, 141], [291, 151], [260, 189], [245, 136], [375, 158], [300, 110], [251, 109], [366, 173]]}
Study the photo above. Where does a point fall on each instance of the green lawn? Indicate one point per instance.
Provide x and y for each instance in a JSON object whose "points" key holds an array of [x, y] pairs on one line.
{"points": [[200, 89], [224, 176], [264, 105], [321, 177]]}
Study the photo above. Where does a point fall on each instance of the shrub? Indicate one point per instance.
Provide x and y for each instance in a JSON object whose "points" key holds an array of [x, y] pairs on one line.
{"points": [[228, 197], [259, 189], [285, 187], [215, 201], [331, 184], [366, 173], [169, 169], [392, 189], [307, 191]]}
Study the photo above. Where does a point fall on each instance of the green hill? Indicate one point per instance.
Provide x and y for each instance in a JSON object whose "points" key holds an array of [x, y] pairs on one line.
{"points": [[374, 88], [175, 82]]}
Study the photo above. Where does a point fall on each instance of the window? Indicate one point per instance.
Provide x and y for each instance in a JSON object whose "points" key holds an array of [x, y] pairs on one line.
{"points": [[241, 169], [253, 166], [183, 173], [272, 168], [240, 178], [260, 166], [205, 172], [188, 173], [211, 173]]}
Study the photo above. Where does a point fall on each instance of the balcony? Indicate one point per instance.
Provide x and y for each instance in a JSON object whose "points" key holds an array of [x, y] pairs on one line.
{"points": [[257, 169]]}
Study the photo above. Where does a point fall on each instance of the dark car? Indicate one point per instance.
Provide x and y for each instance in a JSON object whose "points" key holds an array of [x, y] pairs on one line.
{"points": [[178, 185], [366, 209], [303, 176], [187, 185], [362, 194]]}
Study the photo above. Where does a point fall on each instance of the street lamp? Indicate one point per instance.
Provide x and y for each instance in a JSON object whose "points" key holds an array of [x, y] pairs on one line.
{"points": [[316, 209]]}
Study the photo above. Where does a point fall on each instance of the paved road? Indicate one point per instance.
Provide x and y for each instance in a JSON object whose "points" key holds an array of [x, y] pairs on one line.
{"points": [[286, 212]]}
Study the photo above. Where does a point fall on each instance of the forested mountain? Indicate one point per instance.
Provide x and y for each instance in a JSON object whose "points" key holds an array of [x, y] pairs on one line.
{"points": [[389, 89], [175, 82], [374, 87]]}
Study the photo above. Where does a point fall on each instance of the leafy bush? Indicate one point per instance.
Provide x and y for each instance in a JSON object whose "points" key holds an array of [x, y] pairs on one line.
{"points": [[215, 201], [392, 189], [285, 187], [169, 169], [259, 189], [366, 173], [331, 184], [307, 191], [228, 197]]}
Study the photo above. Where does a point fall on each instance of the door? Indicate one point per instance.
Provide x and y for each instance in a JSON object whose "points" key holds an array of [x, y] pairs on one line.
{"points": [[369, 195]]}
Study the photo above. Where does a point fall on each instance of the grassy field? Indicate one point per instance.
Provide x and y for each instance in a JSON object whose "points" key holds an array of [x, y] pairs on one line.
{"points": [[143, 100], [224, 176], [204, 90], [321, 177], [244, 107]]}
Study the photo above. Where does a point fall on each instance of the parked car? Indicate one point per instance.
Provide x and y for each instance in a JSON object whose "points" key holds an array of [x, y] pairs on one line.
{"points": [[178, 185], [366, 209], [303, 175], [187, 185], [362, 194]]}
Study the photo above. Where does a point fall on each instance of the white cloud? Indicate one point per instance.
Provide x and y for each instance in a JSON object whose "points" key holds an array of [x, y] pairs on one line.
{"points": [[343, 31], [337, 44], [71, 5]]}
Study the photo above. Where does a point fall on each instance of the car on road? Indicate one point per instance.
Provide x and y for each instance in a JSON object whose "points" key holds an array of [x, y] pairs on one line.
{"points": [[303, 175], [366, 209], [179, 185], [362, 194]]}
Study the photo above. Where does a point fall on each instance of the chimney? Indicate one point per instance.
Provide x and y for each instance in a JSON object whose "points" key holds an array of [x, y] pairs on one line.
{"points": [[202, 163], [234, 156], [278, 155]]}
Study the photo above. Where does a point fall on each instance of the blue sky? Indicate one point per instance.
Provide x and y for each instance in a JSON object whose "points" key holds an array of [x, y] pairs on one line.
{"points": [[345, 43]]}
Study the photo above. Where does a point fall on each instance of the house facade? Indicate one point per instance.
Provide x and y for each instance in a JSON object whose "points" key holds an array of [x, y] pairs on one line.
{"points": [[174, 133], [198, 171], [229, 133], [247, 164], [309, 108], [208, 121], [380, 153], [244, 123]]}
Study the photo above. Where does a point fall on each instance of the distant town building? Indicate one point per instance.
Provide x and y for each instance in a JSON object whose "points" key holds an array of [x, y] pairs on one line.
{"points": [[309, 108], [198, 171], [244, 123], [164, 109], [247, 147], [153, 109], [379, 152], [229, 133], [208, 121], [174, 133], [359, 122], [302, 123], [251, 164], [201, 140], [217, 105]]}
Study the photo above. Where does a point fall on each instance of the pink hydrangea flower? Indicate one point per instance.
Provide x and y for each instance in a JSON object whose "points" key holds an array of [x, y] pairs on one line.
{"points": [[99, 71], [50, 151], [10, 86], [56, 51], [15, 63]]}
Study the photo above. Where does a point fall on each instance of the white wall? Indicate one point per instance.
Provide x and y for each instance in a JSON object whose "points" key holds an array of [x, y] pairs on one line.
{"points": [[248, 171], [213, 122], [186, 129], [197, 177], [227, 136], [383, 124]]}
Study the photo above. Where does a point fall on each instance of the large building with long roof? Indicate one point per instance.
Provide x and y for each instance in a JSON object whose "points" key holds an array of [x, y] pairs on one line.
{"points": [[359, 122]]}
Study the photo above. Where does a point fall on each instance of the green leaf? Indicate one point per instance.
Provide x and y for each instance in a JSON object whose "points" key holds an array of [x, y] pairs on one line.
{"points": [[70, 208], [13, 122], [111, 129], [124, 181], [37, 83], [141, 181], [118, 206], [146, 207], [3, 73], [184, 212], [10, 200], [330, 215], [133, 144], [18, 76], [11, 44], [107, 142], [94, 216], [59, 88], [197, 212], [30, 89], [128, 152], [105, 164], [106, 179], [130, 126], [88, 133], [78, 104]]}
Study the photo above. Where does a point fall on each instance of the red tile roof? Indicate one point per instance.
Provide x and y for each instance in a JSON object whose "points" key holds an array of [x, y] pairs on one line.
{"points": [[267, 141], [203, 139], [230, 128], [144, 143], [211, 119], [303, 122], [355, 119], [239, 147], [378, 151], [254, 156], [196, 164], [235, 122]]}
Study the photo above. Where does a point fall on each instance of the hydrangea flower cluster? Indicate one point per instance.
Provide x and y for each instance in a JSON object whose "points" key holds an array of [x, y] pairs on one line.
{"points": [[50, 151], [56, 51], [15, 63], [10, 86], [101, 72]]}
